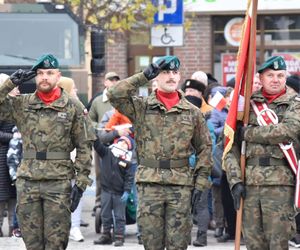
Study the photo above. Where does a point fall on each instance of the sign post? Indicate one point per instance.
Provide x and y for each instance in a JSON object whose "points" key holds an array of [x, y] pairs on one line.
{"points": [[167, 30]]}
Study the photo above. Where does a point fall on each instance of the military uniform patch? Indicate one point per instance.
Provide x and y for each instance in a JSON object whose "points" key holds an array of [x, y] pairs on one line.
{"points": [[275, 65], [62, 116]]}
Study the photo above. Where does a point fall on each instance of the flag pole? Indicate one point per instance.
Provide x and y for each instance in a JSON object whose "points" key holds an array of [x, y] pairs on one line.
{"points": [[249, 78]]}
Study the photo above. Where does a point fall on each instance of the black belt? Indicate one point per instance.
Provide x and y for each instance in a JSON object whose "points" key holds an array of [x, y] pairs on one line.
{"points": [[165, 164], [46, 155], [267, 161]]}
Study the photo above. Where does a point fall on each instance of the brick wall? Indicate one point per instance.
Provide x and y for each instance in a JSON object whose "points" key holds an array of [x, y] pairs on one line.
{"points": [[116, 55], [196, 53]]}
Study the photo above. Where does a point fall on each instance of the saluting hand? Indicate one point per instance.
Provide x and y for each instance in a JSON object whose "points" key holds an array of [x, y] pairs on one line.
{"points": [[153, 70], [21, 76]]}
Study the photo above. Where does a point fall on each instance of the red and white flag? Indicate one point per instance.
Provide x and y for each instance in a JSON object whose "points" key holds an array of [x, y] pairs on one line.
{"points": [[218, 101], [240, 78]]}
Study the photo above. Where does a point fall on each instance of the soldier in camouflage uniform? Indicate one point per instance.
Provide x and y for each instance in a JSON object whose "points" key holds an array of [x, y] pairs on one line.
{"points": [[167, 129], [268, 192], [52, 124]]}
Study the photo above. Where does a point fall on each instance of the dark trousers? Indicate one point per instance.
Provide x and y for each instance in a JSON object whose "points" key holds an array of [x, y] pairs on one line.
{"points": [[113, 207], [229, 211]]}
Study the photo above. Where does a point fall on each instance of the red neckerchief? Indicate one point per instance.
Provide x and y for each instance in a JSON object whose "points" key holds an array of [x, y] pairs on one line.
{"points": [[168, 99], [270, 98], [49, 97]]}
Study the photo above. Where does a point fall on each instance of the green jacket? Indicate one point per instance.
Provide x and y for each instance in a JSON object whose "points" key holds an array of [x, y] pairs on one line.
{"points": [[262, 141], [163, 134], [98, 108], [59, 127]]}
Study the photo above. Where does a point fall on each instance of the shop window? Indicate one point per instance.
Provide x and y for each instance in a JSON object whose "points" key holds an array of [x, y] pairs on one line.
{"points": [[282, 30], [276, 35]]}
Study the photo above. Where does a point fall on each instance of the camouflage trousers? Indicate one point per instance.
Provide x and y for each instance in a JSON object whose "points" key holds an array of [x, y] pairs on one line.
{"points": [[268, 217], [43, 213], [164, 216]]}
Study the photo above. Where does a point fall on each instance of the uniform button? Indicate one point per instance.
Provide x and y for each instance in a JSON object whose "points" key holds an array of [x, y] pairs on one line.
{"points": [[162, 172]]}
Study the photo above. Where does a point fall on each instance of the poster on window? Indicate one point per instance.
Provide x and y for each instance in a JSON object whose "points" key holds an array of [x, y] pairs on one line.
{"points": [[292, 61], [229, 63]]}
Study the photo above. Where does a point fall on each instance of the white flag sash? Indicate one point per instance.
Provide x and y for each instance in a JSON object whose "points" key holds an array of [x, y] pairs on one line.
{"points": [[266, 116]]}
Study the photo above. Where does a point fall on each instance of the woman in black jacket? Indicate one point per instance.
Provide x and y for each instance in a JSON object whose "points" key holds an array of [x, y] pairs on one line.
{"points": [[7, 188]]}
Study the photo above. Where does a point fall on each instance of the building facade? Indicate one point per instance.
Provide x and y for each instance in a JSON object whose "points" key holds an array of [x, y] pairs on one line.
{"points": [[211, 42]]}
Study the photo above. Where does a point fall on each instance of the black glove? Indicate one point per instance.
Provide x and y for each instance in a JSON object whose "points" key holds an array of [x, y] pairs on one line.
{"points": [[21, 76], [237, 192], [196, 195], [153, 70], [239, 134], [75, 196]]}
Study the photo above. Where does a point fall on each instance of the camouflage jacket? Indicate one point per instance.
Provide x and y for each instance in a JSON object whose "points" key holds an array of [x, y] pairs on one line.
{"points": [[163, 134], [263, 142], [59, 127]]}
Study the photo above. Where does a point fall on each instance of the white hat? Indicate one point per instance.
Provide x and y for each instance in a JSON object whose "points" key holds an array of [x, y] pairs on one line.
{"points": [[200, 76], [3, 77]]}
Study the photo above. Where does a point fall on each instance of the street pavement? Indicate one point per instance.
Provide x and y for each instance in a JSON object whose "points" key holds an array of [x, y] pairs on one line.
{"points": [[131, 243]]}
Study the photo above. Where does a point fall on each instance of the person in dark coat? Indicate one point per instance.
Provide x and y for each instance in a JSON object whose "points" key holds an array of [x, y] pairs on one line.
{"points": [[116, 182], [7, 190]]}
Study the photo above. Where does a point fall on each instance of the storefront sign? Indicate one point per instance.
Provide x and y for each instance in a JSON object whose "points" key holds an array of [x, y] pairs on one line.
{"points": [[233, 31], [229, 64], [292, 61]]}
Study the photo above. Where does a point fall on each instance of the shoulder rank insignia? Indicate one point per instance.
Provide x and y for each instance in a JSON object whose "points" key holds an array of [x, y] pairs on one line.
{"points": [[297, 98]]}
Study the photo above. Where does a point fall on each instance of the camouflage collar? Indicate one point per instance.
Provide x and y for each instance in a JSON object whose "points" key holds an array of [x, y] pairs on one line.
{"points": [[37, 103], [290, 94]]}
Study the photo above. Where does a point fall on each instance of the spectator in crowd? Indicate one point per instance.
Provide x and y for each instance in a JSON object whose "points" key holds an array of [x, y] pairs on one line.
{"points": [[116, 183], [201, 77], [211, 79], [256, 85], [200, 207], [68, 84], [98, 106], [222, 191], [14, 157], [293, 81], [7, 190], [114, 125]]}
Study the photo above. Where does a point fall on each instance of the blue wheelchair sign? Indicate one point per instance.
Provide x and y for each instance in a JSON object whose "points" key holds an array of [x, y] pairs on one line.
{"points": [[169, 12]]}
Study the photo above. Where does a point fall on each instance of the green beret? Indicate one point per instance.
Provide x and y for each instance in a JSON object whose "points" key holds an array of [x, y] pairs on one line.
{"points": [[171, 62], [45, 62], [274, 62]]}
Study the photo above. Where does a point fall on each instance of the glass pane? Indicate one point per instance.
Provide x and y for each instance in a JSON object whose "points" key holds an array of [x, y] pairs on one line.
{"points": [[282, 30], [25, 37], [141, 62]]}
